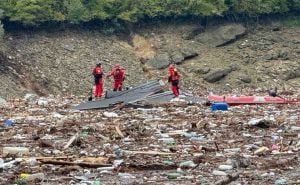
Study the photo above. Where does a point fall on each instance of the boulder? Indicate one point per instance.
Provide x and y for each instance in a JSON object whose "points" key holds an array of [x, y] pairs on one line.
{"points": [[245, 79], [220, 36], [188, 53], [179, 56], [203, 70], [193, 33], [217, 75], [160, 61], [292, 74]]}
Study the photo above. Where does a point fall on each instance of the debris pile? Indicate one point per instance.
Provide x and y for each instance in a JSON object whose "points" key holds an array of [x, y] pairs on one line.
{"points": [[174, 143], [141, 95]]}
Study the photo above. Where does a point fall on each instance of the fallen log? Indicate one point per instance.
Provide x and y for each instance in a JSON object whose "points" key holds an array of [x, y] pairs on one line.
{"points": [[81, 164]]}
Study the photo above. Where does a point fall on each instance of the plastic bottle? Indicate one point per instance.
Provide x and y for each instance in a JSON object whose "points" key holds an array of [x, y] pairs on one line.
{"points": [[173, 175]]}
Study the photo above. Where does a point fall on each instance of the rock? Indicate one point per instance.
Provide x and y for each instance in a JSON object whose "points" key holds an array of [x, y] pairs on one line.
{"points": [[160, 61], [203, 70], [220, 36], [69, 48], [3, 103], [188, 53], [283, 54], [192, 34], [292, 74], [30, 97], [177, 57], [217, 75], [245, 79]]}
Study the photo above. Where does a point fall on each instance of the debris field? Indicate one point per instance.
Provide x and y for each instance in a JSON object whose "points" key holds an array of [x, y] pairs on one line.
{"points": [[44, 140]]}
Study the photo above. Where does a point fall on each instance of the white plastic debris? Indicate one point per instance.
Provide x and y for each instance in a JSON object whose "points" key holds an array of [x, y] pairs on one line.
{"points": [[110, 114], [42, 102], [261, 150], [30, 97], [225, 167], [219, 173], [15, 150]]}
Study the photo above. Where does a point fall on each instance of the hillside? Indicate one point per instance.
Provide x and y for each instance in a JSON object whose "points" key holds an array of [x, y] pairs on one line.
{"points": [[246, 57]]}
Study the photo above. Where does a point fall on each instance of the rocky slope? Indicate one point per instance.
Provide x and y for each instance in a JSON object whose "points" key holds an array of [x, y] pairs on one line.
{"points": [[216, 58]]}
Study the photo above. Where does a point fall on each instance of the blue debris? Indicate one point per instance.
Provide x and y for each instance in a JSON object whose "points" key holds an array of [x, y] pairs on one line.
{"points": [[8, 123], [219, 106]]}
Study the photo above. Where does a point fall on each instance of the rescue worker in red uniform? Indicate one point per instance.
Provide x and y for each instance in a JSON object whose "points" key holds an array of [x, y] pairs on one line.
{"points": [[98, 74], [119, 77], [173, 79]]}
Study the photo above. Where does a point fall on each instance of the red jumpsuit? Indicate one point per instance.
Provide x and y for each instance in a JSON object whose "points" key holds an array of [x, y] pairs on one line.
{"points": [[174, 78], [119, 76], [97, 72]]}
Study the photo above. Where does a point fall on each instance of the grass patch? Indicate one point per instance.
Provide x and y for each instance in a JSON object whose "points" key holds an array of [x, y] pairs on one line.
{"points": [[292, 21]]}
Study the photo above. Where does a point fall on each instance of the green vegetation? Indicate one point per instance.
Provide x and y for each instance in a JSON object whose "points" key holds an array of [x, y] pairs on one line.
{"points": [[1, 26], [35, 12], [292, 21]]}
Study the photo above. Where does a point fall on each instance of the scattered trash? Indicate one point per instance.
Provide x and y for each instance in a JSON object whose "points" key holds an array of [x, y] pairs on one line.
{"points": [[8, 123], [281, 181], [225, 167], [219, 106], [261, 123], [20, 151], [219, 173], [173, 175], [168, 143], [32, 177], [187, 164], [261, 150], [110, 114]]}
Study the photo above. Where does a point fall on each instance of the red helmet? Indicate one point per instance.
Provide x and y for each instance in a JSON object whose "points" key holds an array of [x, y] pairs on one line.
{"points": [[171, 66]]}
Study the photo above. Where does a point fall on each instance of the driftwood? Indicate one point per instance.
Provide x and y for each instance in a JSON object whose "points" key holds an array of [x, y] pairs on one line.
{"points": [[119, 131], [71, 141], [91, 162], [103, 137], [45, 158], [148, 152], [82, 164]]}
